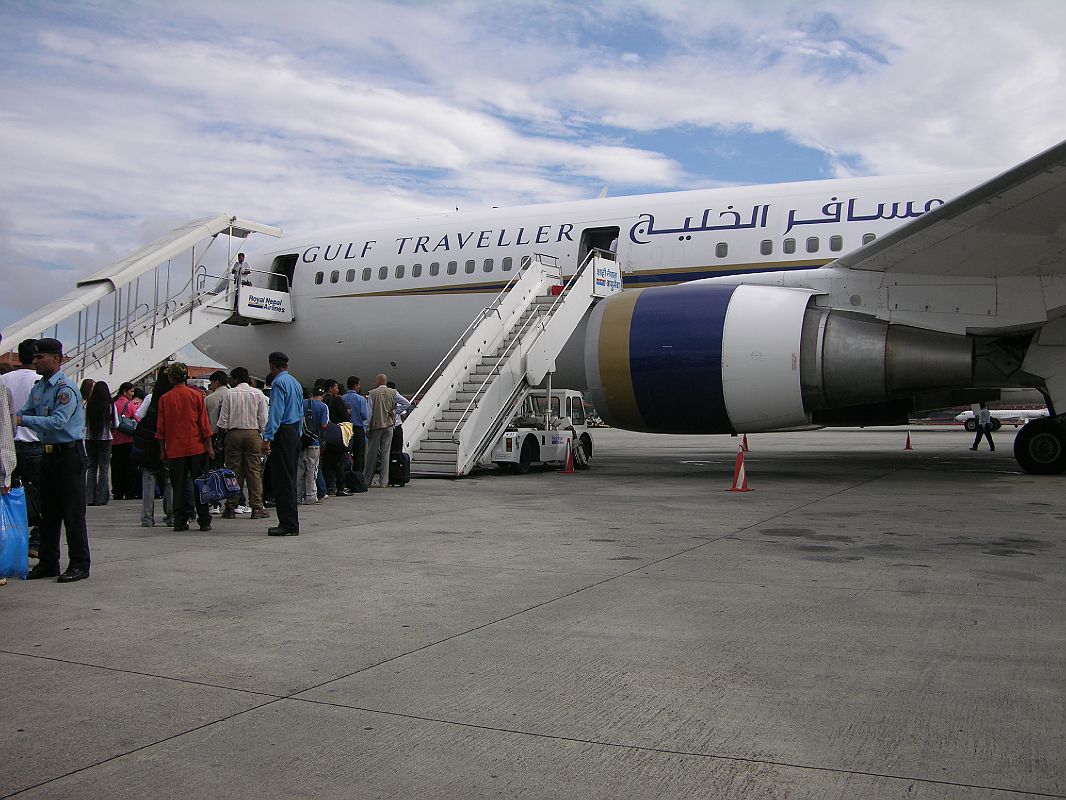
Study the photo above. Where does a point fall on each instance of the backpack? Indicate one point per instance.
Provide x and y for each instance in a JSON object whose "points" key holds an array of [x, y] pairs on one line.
{"points": [[308, 437]]}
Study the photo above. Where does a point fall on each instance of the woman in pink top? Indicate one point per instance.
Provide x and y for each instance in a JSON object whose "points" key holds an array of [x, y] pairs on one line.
{"points": [[124, 481]]}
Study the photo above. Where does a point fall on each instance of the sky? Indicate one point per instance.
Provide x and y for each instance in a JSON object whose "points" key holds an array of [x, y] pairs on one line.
{"points": [[122, 120]]}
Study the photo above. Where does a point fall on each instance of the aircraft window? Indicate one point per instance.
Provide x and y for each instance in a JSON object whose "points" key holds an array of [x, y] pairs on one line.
{"points": [[766, 247], [416, 270], [812, 244], [350, 276], [335, 276], [868, 237], [434, 268], [721, 250], [452, 267], [505, 265], [526, 261], [399, 270], [366, 274], [836, 243], [319, 276], [383, 273], [488, 265], [790, 246], [470, 265]]}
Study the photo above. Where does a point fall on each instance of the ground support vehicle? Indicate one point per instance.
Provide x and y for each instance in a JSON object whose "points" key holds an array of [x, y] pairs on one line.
{"points": [[541, 435]]}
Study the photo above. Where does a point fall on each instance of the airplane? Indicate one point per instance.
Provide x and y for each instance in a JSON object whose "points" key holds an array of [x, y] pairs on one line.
{"points": [[774, 307]]}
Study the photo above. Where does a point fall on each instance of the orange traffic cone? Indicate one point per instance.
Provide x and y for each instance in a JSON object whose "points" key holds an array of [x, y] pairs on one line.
{"points": [[744, 443], [740, 477], [908, 445], [569, 468]]}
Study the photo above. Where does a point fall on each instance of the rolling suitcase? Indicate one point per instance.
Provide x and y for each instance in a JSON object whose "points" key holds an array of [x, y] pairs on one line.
{"points": [[399, 469]]}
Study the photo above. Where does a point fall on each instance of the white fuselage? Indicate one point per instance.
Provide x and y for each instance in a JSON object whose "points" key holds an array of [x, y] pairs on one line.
{"points": [[393, 296]]}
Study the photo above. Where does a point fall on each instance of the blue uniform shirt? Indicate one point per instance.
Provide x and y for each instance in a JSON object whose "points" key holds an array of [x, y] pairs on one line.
{"points": [[53, 411], [359, 407], [286, 404]]}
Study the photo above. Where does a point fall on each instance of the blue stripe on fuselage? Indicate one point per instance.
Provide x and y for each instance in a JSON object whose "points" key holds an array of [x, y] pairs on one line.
{"points": [[675, 353]]}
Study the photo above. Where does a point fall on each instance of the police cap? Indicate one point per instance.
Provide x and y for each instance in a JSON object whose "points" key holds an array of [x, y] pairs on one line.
{"points": [[48, 347]]}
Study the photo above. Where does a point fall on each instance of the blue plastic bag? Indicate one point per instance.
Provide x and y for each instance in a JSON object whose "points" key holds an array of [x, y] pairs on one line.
{"points": [[14, 535]]}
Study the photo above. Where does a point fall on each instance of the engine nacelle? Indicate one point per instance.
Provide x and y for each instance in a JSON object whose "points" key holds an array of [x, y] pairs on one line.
{"points": [[704, 357]]}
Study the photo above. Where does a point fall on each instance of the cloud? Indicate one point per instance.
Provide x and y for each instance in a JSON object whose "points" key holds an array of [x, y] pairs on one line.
{"points": [[122, 120]]}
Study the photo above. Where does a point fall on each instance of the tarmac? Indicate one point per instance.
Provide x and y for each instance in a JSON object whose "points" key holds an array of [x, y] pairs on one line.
{"points": [[869, 622]]}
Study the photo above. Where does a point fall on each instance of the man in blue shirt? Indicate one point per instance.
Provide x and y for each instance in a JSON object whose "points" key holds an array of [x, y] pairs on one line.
{"points": [[360, 409], [282, 442], [53, 411]]}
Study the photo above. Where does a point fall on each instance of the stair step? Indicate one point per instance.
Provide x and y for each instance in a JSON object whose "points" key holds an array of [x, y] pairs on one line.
{"points": [[439, 445]]}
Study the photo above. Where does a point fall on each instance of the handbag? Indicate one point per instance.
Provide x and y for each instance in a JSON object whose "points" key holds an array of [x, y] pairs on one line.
{"points": [[14, 535], [217, 485], [127, 425]]}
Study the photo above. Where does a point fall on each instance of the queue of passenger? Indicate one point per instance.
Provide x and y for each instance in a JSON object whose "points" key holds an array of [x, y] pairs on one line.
{"points": [[67, 445]]}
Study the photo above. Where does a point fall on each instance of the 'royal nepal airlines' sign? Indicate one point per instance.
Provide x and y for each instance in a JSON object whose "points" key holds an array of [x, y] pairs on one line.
{"points": [[267, 304]]}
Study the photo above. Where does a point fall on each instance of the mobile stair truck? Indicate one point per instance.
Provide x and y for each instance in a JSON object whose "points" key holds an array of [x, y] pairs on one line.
{"points": [[544, 435]]}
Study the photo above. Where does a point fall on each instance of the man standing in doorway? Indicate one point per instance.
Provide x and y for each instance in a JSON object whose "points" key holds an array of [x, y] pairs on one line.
{"points": [[282, 437], [382, 419]]}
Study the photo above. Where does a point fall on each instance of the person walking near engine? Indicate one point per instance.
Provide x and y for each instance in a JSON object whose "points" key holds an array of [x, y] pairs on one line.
{"points": [[282, 437], [382, 419], [984, 427], [184, 430], [54, 412]]}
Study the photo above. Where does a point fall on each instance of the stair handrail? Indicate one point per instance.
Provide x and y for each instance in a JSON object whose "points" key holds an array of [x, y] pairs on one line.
{"points": [[464, 337], [538, 316], [508, 411]]}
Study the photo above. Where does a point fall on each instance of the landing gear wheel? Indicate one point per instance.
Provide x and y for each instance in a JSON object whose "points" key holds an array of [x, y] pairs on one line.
{"points": [[525, 458], [996, 425], [971, 425], [1040, 447]]}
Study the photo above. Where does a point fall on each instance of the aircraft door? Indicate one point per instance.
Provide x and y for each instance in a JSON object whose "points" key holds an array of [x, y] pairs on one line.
{"points": [[603, 239], [281, 272]]}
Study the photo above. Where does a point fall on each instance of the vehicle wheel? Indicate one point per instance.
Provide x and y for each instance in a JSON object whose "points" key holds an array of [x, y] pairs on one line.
{"points": [[971, 425], [525, 458], [583, 452], [996, 425], [1040, 447]]}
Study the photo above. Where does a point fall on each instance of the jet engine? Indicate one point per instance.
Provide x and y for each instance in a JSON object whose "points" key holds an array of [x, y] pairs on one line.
{"points": [[705, 357]]}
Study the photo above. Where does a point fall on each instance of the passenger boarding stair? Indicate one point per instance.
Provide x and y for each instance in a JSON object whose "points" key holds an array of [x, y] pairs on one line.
{"points": [[508, 349], [120, 322]]}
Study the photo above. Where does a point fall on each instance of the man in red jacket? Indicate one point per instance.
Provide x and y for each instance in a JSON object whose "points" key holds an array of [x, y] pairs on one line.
{"points": [[185, 431]]}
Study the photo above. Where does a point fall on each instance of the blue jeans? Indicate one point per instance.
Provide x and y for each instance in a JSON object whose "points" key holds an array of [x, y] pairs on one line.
{"points": [[97, 485]]}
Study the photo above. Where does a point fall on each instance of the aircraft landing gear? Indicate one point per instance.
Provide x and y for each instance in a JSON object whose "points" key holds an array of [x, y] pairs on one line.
{"points": [[1040, 446]]}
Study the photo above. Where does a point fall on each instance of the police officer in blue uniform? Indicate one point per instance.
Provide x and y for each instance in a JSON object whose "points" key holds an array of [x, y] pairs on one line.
{"points": [[53, 411]]}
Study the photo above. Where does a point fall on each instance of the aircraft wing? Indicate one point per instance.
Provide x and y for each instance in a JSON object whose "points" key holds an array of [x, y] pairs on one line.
{"points": [[1014, 224]]}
